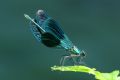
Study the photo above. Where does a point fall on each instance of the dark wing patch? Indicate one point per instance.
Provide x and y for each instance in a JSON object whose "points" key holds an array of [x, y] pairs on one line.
{"points": [[49, 40], [55, 28]]}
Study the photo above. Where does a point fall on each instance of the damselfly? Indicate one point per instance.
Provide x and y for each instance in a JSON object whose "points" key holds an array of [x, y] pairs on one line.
{"points": [[47, 31]]}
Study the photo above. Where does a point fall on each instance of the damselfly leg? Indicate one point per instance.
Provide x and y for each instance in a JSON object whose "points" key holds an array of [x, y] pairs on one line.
{"points": [[76, 59], [81, 57], [63, 59]]}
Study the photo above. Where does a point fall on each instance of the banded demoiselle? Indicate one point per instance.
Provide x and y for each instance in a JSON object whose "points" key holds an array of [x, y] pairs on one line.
{"points": [[47, 31]]}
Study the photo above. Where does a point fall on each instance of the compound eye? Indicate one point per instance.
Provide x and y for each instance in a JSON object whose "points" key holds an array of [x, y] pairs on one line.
{"points": [[83, 54]]}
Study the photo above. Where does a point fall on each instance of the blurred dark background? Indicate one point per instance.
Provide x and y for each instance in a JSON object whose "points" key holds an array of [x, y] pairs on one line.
{"points": [[92, 25]]}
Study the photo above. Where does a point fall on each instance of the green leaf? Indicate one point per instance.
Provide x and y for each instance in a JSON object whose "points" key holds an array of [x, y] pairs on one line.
{"points": [[98, 75]]}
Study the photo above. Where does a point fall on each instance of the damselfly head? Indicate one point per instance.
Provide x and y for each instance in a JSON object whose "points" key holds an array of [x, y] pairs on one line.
{"points": [[83, 54], [41, 14]]}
